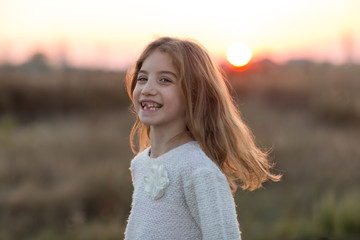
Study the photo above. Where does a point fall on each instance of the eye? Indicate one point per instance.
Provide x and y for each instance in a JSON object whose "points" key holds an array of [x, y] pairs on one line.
{"points": [[165, 80], [141, 79]]}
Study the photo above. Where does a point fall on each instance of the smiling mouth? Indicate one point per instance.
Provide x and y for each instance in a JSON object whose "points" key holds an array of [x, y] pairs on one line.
{"points": [[150, 106]]}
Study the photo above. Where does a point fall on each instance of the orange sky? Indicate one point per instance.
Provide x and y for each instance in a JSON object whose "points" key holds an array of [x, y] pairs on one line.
{"points": [[111, 33]]}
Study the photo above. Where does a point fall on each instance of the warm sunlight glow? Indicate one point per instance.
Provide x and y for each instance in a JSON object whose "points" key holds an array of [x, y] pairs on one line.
{"points": [[105, 34], [239, 54]]}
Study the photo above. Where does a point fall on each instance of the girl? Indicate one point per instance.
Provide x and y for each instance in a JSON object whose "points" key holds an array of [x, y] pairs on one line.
{"points": [[194, 147]]}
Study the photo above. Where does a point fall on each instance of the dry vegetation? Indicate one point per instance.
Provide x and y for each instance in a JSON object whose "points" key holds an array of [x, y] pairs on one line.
{"points": [[64, 152], [65, 173]]}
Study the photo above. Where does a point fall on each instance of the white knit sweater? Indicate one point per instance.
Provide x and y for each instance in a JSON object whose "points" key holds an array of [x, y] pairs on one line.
{"points": [[182, 194]]}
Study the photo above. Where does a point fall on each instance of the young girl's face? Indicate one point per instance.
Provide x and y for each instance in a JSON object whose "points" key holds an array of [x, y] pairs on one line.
{"points": [[157, 97]]}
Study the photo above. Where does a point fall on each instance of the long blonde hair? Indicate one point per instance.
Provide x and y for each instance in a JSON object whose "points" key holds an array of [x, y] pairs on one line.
{"points": [[212, 119]]}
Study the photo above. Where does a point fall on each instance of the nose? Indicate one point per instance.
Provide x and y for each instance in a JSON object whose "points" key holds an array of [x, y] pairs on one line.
{"points": [[149, 88]]}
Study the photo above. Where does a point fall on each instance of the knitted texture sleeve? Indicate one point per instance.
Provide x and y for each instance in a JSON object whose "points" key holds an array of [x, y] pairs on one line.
{"points": [[209, 198]]}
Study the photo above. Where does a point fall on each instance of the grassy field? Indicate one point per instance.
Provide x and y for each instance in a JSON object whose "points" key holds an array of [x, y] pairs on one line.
{"points": [[64, 153]]}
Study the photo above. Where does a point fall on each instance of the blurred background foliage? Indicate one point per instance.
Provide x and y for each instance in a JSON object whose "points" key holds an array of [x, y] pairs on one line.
{"points": [[65, 155]]}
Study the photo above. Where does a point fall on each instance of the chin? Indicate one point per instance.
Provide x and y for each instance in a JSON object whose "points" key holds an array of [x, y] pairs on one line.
{"points": [[147, 122]]}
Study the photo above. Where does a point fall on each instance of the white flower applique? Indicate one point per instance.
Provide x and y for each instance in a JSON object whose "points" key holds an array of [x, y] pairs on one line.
{"points": [[156, 181]]}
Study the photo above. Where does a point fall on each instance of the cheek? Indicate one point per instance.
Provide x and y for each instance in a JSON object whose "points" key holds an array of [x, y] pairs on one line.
{"points": [[135, 97], [180, 106]]}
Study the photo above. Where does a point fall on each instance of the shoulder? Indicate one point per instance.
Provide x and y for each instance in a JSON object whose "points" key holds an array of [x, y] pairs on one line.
{"points": [[139, 158], [192, 154], [193, 161]]}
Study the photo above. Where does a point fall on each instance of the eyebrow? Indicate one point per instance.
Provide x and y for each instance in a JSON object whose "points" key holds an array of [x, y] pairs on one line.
{"points": [[160, 72]]}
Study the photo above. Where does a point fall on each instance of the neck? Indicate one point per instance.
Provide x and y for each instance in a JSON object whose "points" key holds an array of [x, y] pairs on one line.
{"points": [[163, 140]]}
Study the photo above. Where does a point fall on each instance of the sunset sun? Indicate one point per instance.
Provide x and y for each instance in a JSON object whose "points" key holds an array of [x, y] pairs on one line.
{"points": [[238, 54]]}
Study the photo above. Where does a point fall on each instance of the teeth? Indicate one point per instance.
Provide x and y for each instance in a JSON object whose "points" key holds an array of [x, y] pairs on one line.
{"points": [[150, 106]]}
